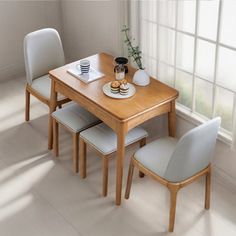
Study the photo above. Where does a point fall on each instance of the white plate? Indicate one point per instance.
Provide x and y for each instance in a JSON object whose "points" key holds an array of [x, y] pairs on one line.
{"points": [[107, 90]]}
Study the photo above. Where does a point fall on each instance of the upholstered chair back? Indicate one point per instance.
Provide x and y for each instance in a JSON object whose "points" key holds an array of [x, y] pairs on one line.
{"points": [[193, 151], [43, 52]]}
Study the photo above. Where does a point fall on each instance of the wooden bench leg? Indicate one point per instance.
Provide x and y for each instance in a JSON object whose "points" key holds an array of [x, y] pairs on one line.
{"points": [[82, 158], [75, 149], [129, 179], [141, 144], [105, 162], [27, 105], [55, 137]]}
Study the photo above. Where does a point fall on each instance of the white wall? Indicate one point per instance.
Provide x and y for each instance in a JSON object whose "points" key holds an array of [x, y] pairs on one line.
{"points": [[91, 27], [17, 18]]}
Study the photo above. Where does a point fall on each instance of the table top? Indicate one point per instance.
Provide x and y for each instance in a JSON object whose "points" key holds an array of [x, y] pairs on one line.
{"points": [[146, 98]]}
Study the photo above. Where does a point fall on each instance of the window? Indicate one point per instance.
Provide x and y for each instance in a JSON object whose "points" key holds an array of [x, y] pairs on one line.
{"points": [[191, 45]]}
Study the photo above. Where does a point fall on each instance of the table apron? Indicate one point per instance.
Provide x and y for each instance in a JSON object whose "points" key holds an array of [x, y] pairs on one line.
{"points": [[105, 116], [147, 115]]}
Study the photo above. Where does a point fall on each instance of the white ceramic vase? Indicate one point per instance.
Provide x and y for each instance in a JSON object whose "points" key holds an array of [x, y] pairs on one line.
{"points": [[141, 78]]}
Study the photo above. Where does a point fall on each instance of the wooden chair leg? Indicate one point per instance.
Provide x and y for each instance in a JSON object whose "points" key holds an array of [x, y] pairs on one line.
{"points": [[141, 144], [208, 189], [129, 179], [75, 149], [55, 137], [105, 162], [27, 105], [82, 158], [173, 197]]}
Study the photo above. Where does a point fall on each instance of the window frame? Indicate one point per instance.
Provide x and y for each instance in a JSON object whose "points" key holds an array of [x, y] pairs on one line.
{"points": [[186, 113]]}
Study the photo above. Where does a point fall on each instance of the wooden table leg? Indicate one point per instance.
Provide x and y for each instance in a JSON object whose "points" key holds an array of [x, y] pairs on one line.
{"points": [[120, 162], [172, 120], [53, 105], [141, 144]]}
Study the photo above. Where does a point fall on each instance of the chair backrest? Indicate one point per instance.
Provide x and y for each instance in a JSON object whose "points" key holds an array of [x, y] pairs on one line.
{"points": [[193, 152], [43, 52]]}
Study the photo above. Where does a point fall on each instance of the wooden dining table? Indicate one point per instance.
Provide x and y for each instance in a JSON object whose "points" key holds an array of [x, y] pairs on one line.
{"points": [[120, 114]]}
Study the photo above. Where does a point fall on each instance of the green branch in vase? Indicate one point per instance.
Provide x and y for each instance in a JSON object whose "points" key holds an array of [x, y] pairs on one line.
{"points": [[134, 51]]}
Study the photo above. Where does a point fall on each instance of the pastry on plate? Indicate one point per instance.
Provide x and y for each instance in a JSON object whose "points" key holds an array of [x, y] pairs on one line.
{"points": [[123, 81], [124, 89], [115, 87]]}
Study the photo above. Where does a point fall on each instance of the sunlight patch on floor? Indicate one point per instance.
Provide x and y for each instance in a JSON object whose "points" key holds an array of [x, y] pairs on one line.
{"points": [[15, 207], [19, 179]]}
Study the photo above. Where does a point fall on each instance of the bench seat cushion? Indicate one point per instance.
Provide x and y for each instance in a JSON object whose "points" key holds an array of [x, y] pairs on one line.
{"points": [[75, 118], [104, 139]]}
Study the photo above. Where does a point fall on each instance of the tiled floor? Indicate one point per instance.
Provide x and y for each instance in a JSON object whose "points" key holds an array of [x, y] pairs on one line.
{"points": [[40, 196]]}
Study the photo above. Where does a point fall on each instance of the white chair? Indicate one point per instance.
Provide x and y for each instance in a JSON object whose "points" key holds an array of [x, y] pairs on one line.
{"points": [[104, 140], [75, 119], [43, 52], [176, 164]]}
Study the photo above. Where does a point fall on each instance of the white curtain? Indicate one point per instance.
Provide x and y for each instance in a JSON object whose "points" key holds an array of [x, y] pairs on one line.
{"points": [[156, 43]]}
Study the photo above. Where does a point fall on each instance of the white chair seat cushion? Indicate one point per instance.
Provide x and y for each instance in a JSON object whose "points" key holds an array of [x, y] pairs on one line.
{"points": [[155, 156], [42, 85], [104, 139], [75, 117]]}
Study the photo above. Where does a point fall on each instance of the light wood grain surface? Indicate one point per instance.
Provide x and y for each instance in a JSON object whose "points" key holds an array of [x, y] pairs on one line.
{"points": [[154, 94]]}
